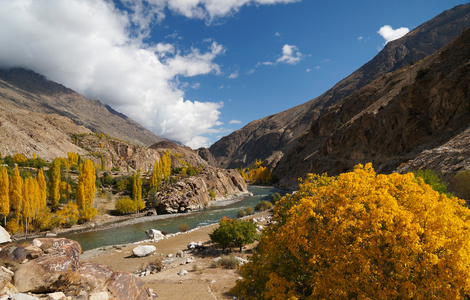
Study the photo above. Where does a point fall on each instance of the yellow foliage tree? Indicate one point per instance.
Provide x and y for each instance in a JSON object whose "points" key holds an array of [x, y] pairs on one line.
{"points": [[85, 192], [4, 194], [17, 193], [137, 191], [42, 185], [362, 236], [166, 164], [54, 183], [19, 158], [156, 178]]}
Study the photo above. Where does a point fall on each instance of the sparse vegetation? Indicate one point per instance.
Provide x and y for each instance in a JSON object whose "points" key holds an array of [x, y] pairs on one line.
{"points": [[183, 227], [263, 205]]}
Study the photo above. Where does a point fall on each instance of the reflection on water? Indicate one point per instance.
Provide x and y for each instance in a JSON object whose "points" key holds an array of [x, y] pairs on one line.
{"points": [[136, 232]]}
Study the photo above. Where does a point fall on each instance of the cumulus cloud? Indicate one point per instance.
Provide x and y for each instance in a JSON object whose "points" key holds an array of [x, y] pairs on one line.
{"points": [[290, 55], [390, 34], [235, 122]]}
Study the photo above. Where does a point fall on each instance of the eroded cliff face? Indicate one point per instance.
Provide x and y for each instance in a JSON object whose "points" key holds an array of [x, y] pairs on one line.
{"points": [[391, 120], [198, 192]]}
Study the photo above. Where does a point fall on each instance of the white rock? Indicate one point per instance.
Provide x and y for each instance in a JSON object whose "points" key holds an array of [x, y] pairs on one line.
{"points": [[144, 250], [56, 296], [21, 296], [36, 243], [50, 234], [99, 296], [154, 234], [182, 272], [240, 260], [4, 236], [169, 255]]}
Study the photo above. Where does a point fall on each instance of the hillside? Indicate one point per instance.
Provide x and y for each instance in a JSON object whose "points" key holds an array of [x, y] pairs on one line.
{"points": [[405, 119], [30, 91], [276, 135]]}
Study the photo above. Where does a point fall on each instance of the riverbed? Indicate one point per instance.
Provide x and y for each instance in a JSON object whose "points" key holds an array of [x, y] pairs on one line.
{"points": [[134, 231]]}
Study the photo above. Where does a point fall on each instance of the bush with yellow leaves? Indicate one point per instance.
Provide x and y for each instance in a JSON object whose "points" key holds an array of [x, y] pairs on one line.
{"points": [[362, 236]]}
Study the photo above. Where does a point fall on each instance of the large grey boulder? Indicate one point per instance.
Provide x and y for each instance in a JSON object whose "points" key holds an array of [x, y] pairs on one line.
{"points": [[12, 255], [144, 250]]}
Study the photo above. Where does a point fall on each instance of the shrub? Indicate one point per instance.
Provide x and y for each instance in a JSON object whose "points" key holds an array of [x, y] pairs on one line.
{"points": [[212, 194], [430, 177], [263, 205], [275, 197], [236, 233], [87, 213], [249, 210], [125, 205], [461, 184], [241, 213], [362, 236], [183, 227], [68, 215]]}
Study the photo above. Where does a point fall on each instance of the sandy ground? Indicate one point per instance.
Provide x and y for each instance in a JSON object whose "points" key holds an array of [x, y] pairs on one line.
{"points": [[202, 280]]}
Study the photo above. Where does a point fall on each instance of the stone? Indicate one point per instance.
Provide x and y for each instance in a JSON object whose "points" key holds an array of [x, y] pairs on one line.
{"points": [[50, 235], [194, 245], [21, 296], [143, 250], [124, 286], [12, 255], [182, 272], [33, 252], [99, 296], [5, 277], [241, 261], [39, 275], [8, 289], [154, 234], [180, 254], [4, 236], [56, 296], [95, 275]]}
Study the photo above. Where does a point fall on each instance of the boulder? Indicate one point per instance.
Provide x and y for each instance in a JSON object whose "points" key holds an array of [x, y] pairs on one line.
{"points": [[124, 286], [12, 255], [94, 276], [4, 236], [182, 272], [21, 296], [154, 234], [56, 296], [194, 245], [99, 296], [33, 252], [39, 275], [144, 250], [5, 277]]}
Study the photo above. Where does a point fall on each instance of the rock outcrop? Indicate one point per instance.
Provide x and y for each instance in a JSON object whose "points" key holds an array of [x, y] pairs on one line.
{"points": [[198, 192], [59, 268]]}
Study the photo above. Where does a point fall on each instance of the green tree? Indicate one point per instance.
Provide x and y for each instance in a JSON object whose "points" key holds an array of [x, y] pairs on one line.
{"points": [[236, 233], [430, 177], [362, 236], [54, 183]]}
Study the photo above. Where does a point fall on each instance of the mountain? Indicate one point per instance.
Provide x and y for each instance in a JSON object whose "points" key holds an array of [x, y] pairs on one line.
{"points": [[32, 92], [415, 117], [277, 135]]}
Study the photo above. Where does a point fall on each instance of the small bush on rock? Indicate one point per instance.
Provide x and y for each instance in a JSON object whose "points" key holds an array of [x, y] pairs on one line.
{"points": [[263, 205]]}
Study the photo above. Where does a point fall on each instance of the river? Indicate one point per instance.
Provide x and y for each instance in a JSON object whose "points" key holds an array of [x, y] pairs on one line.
{"points": [[136, 232]]}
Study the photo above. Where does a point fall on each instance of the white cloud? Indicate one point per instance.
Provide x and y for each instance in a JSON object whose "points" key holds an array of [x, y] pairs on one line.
{"points": [[277, 34], [233, 75], [390, 34], [308, 70], [235, 122], [88, 46], [290, 55], [360, 38]]}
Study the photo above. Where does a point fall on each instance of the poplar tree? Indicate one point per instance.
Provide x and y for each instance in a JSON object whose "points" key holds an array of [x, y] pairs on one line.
{"points": [[166, 164], [137, 191], [42, 186], [156, 179], [17, 193], [54, 183], [4, 194], [85, 192]]}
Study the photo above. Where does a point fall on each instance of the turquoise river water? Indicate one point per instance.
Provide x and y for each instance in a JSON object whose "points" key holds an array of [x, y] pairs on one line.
{"points": [[136, 232]]}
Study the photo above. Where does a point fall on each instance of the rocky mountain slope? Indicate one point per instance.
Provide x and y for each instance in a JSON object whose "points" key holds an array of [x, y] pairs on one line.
{"points": [[276, 135], [406, 118], [33, 92]]}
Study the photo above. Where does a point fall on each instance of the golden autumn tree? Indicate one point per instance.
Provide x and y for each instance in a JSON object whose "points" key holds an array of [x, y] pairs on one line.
{"points": [[4, 194], [42, 186], [17, 193], [166, 164], [54, 183], [30, 201], [362, 236], [85, 192], [137, 191], [156, 178]]}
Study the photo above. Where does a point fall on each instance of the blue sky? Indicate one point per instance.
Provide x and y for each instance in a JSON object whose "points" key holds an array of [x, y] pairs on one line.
{"points": [[196, 70]]}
